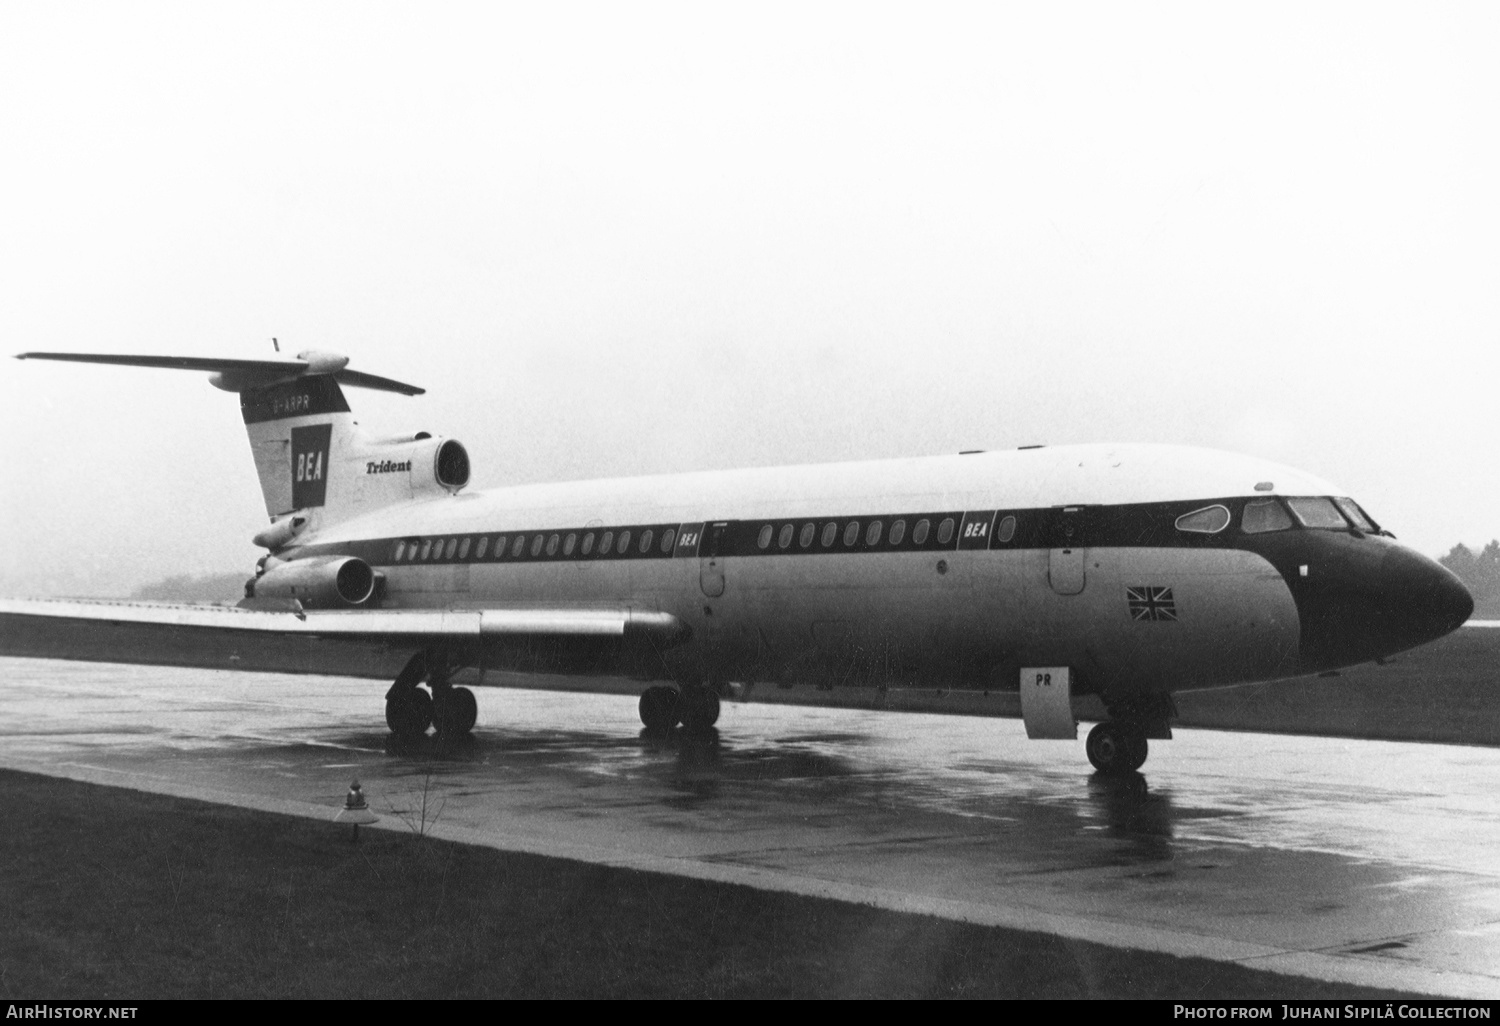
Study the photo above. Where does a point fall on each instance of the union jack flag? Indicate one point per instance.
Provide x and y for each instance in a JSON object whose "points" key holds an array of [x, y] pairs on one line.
{"points": [[1151, 603]]}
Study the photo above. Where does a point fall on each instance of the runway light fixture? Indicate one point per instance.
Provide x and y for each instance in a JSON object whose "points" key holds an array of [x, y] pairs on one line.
{"points": [[356, 810]]}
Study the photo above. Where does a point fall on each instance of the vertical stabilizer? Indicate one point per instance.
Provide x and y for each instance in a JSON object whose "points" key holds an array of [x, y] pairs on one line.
{"points": [[309, 453], [297, 430]]}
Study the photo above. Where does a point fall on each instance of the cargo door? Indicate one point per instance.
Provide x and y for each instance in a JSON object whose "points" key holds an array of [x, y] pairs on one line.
{"points": [[1067, 554]]}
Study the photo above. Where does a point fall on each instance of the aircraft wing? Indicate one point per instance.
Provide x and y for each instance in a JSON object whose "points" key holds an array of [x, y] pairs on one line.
{"points": [[345, 642]]}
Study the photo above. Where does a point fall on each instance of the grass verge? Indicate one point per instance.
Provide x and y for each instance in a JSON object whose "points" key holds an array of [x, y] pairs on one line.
{"points": [[121, 894]]}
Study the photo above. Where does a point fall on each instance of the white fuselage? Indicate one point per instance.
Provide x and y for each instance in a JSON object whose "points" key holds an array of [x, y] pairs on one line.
{"points": [[867, 610]]}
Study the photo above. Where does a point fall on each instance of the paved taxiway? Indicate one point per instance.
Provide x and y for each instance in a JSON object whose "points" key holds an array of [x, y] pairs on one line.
{"points": [[1361, 861]]}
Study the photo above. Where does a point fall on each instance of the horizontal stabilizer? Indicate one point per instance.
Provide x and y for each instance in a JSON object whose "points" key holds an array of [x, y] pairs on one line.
{"points": [[240, 375]]}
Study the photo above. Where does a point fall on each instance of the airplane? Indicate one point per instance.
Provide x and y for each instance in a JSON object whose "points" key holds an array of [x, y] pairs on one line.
{"points": [[1127, 572]]}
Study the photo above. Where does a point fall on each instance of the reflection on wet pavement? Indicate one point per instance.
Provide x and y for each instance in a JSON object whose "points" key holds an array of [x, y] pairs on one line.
{"points": [[1347, 859]]}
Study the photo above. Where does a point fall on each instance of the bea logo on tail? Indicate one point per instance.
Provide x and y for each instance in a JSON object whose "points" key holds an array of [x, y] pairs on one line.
{"points": [[309, 457]]}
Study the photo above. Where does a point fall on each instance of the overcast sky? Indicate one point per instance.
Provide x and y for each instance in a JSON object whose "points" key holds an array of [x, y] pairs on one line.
{"points": [[632, 238]]}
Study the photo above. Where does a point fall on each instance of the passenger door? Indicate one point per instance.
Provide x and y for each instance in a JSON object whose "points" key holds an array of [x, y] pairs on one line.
{"points": [[710, 562], [1064, 534]]}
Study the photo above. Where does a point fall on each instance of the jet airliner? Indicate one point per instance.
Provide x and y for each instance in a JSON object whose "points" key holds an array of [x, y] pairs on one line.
{"points": [[1127, 572]]}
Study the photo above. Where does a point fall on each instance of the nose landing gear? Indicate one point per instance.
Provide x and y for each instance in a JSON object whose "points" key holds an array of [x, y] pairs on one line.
{"points": [[1115, 749], [1118, 745]]}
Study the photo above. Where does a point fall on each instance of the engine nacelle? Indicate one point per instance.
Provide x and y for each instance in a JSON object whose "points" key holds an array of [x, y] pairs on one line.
{"points": [[322, 582], [448, 459], [392, 469]]}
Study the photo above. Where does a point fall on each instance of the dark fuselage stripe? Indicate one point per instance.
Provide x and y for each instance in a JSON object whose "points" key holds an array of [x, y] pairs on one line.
{"points": [[1138, 525]]}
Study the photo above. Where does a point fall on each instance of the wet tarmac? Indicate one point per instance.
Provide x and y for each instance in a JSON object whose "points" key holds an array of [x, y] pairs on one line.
{"points": [[1366, 862]]}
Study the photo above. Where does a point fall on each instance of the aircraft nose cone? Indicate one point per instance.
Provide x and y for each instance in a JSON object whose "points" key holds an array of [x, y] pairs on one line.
{"points": [[1369, 599], [1420, 600]]}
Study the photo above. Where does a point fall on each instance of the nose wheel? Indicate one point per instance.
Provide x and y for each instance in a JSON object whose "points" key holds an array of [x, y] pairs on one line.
{"points": [[1115, 749]]}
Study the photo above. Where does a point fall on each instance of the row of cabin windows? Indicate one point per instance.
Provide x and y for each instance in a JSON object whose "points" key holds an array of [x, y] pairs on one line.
{"points": [[1259, 516], [417, 550], [874, 530]]}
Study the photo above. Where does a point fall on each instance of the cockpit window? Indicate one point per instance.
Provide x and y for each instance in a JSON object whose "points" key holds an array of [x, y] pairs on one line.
{"points": [[1356, 515], [1318, 513], [1263, 515], [1209, 520]]}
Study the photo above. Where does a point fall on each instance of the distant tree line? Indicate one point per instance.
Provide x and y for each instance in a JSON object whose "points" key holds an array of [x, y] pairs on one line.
{"points": [[1480, 572], [221, 588]]}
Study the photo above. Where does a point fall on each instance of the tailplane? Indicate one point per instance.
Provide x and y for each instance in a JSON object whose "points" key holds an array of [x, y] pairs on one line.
{"points": [[316, 466]]}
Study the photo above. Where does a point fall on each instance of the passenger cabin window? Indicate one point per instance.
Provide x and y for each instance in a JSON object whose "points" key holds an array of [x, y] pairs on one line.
{"points": [[945, 531], [830, 532], [851, 533], [452, 547], [1318, 513], [668, 539], [569, 543], [1356, 515], [898, 531], [784, 539], [764, 541], [646, 537], [1264, 515], [537, 541], [463, 548], [518, 545], [806, 537], [872, 534], [606, 543], [400, 550], [1208, 520], [1007, 529], [500, 546], [588, 543], [919, 533], [624, 542], [552, 543], [484, 544]]}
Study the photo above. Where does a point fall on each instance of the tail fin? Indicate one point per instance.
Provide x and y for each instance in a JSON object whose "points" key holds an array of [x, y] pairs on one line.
{"points": [[311, 457]]}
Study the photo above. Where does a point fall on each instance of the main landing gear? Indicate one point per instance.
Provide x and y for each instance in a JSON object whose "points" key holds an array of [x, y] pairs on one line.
{"points": [[409, 710], [695, 706]]}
